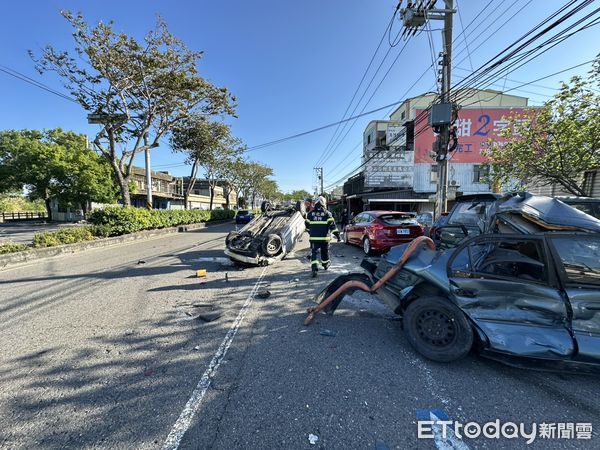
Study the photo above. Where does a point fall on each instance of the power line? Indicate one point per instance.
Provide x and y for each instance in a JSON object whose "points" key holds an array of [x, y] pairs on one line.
{"points": [[26, 79], [554, 40], [506, 54], [361, 80], [337, 141]]}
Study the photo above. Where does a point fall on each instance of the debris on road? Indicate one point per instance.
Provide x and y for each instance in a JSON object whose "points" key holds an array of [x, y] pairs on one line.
{"points": [[380, 445], [295, 280], [209, 317], [313, 439], [226, 277], [263, 294], [326, 332], [141, 261], [197, 347], [128, 332], [201, 273]]}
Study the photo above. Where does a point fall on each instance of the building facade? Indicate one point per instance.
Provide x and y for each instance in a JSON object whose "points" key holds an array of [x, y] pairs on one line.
{"points": [[400, 171]]}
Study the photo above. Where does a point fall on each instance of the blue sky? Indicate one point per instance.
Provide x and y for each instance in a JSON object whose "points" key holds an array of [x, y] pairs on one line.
{"points": [[292, 65]]}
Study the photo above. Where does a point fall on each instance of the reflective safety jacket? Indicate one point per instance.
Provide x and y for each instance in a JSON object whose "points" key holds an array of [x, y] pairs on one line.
{"points": [[319, 222]]}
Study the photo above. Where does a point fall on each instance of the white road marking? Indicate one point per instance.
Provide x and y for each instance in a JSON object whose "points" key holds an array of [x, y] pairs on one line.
{"points": [[185, 419], [451, 441]]}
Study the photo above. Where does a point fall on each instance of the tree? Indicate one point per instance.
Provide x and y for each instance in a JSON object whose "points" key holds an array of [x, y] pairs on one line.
{"points": [[54, 164], [137, 91], [297, 195], [556, 144], [209, 145], [233, 174], [255, 179]]}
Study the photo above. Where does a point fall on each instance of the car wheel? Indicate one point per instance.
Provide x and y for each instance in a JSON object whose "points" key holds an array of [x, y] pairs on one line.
{"points": [[367, 246], [272, 245], [300, 207], [230, 237], [437, 329]]}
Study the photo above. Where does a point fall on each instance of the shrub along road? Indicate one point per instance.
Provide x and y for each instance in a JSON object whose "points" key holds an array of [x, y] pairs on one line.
{"points": [[105, 349]]}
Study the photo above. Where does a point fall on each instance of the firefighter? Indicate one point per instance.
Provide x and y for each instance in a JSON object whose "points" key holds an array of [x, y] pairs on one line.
{"points": [[319, 222]]}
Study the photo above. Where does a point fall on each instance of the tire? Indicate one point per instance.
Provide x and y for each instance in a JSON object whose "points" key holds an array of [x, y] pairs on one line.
{"points": [[437, 329], [367, 246], [300, 207], [272, 245], [230, 237], [265, 206]]}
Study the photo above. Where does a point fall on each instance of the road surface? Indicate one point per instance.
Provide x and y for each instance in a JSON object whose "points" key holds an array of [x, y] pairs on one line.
{"points": [[104, 349]]}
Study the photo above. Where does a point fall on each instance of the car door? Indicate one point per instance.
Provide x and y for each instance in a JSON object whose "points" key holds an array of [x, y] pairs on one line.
{"points": [[507, 286], [578, 260], [361, 227], [355, 229]]}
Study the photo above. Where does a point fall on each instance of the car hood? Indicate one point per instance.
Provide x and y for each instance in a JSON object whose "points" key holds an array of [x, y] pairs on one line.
{"points": [[425, 263], [529, 213]]}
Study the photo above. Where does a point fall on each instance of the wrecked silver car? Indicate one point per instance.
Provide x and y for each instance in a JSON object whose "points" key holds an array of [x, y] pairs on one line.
{"points": [[267, 238], [526, 291]]}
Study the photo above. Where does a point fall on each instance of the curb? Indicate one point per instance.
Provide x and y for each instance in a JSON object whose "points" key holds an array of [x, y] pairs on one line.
{"points": [[48, 252]]}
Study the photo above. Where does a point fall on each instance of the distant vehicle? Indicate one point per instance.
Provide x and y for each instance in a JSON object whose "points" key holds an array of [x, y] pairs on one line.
{"points": [[378, 231], [588, 205], [243, 216], [425, 219], [268, 237]]}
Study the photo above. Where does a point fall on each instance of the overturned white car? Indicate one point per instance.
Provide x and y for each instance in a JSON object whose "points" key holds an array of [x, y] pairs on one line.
{"points": [[267, 238]]}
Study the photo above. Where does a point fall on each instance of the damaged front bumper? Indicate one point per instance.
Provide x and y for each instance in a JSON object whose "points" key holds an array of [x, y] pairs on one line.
{"points": [[258, 260]]}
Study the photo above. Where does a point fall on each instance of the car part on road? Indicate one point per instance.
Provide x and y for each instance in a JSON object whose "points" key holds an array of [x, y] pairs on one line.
{"points": [[209, 316], [358, 284], [263, 294], [329, 333]]}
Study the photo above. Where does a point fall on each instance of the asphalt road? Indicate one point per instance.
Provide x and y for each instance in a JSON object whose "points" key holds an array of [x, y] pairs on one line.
{"points": [[22, 232], [104, 349]]}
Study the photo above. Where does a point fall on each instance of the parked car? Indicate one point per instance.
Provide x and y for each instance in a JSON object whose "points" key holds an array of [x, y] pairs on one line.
{"points": [[526, 291], [243, 216], [268, 237], [425, 219], [378, 231]]}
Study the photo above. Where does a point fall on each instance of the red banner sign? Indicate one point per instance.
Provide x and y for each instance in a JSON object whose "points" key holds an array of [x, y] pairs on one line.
{"points": [[474, 128]]}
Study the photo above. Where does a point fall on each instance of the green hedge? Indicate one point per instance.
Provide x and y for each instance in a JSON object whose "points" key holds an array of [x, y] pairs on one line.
{"points": [[117, 220], [64, 236], [11, 247]]}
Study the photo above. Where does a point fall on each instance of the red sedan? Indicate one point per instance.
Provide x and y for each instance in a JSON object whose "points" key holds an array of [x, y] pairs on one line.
{"points": [[378, 231]]}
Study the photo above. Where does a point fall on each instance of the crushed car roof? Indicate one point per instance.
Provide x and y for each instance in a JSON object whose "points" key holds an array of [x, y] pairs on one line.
{"points": [[540, 213]]}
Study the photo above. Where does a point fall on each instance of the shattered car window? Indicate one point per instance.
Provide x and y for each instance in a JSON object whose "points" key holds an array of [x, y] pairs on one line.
{"points": [[398, 219], [522, 259], [580, 259], [469, 214]]}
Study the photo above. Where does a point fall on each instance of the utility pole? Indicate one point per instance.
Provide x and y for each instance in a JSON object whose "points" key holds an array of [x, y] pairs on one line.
{"points": [[442, 114], [319, 178], [148, 174], [444, 134]]}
